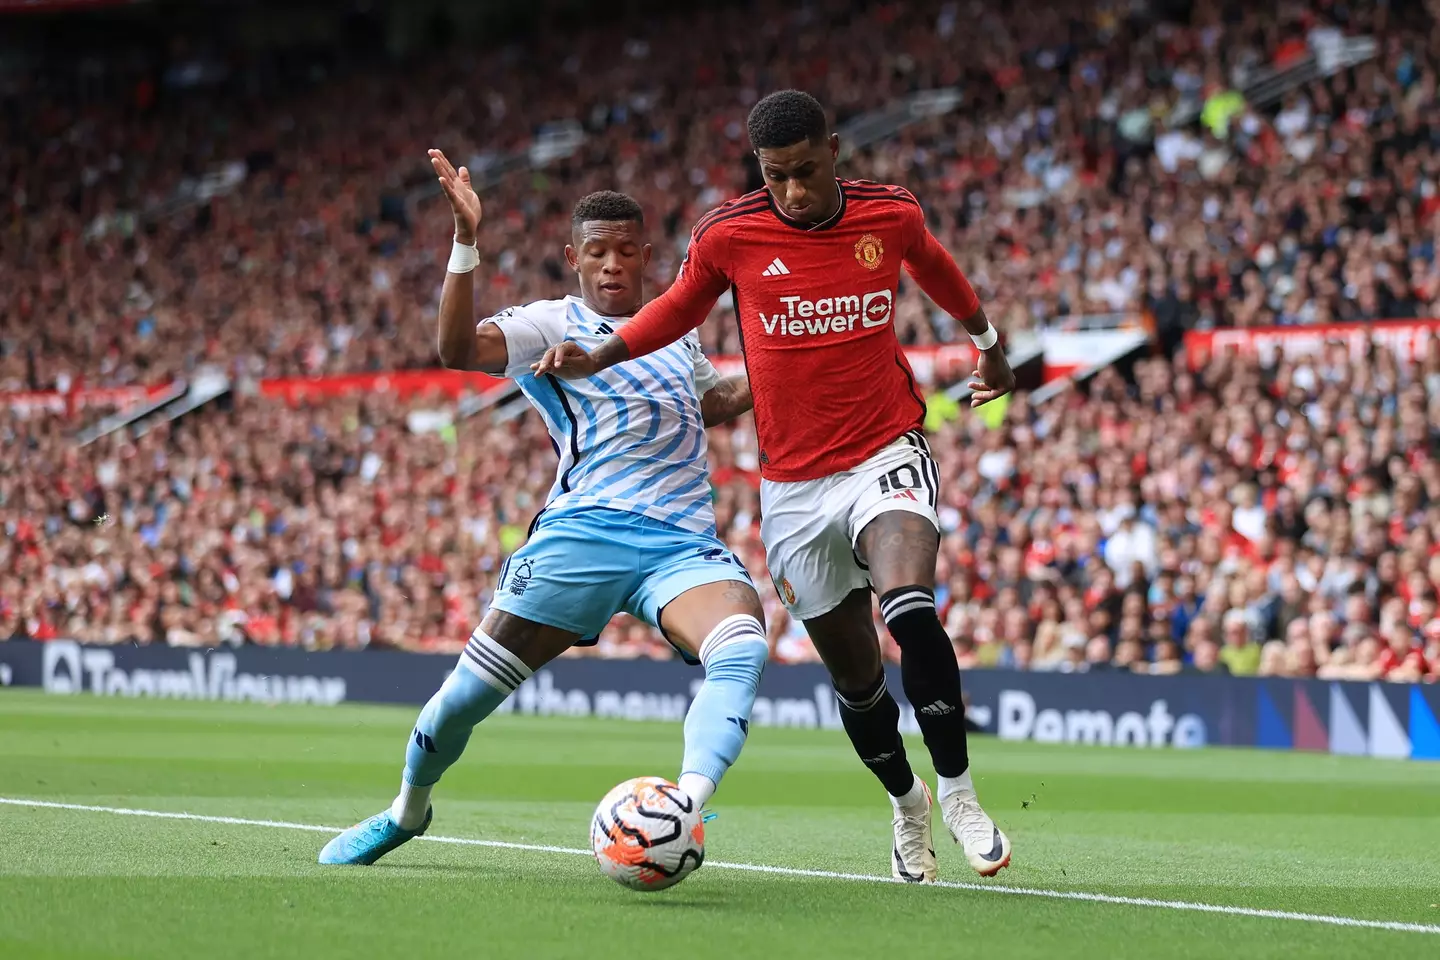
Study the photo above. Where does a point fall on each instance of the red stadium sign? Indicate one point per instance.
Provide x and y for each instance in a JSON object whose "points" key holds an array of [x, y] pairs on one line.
{"points": [[1408, 339], [940, 364], [53, 401], [404, 383]]}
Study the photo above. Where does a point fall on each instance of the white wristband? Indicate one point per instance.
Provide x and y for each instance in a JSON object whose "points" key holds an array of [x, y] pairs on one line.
{"points": [[986, 340], [463, 258]]}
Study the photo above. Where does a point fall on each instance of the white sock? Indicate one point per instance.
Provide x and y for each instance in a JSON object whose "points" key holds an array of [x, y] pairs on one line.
{"points": [[410, 806], [960, 784], [914, 798], [697, 787]]}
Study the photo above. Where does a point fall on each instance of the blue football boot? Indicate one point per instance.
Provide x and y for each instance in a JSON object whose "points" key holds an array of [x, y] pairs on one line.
{"points": [[371, 839]]}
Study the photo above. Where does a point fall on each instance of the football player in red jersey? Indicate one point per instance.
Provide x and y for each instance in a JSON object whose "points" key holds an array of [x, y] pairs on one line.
{"points": [[848, 491]]}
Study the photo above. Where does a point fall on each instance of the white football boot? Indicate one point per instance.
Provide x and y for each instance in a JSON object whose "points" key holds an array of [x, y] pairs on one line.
{"points": [[985, 845], [912, 859]]}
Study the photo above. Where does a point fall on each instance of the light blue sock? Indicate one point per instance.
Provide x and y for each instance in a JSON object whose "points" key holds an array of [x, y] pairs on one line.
{"points": [[715, 728], [486, 674]]}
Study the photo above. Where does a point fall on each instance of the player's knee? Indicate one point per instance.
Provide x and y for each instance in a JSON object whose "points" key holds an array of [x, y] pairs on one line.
{"points": [[860, 696], [900, 548], [532, 644], [855, 682], [689, 619]]}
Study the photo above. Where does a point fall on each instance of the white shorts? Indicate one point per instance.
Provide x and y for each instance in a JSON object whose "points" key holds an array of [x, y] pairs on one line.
{"points": [[810, 527]]}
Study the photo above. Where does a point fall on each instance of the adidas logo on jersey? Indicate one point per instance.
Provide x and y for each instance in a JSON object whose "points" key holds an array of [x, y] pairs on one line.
{"points": [[776, 269], [937, 709]]}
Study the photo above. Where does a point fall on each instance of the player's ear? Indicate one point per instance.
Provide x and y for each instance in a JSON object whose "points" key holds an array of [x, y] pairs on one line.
{"points": [[835, 146], [645, 252], [572, 258]]}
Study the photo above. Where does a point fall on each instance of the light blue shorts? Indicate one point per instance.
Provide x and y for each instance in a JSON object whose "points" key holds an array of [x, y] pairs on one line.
{"points": [[579, 569]]}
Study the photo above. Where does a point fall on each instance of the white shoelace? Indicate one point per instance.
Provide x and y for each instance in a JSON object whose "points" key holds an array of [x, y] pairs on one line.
{"points": [[969, 820], [910, 835]]}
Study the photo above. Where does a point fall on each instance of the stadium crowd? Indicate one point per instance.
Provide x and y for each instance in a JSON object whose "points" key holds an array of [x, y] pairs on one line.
{"points": [[306, 245], [1274, 520], [1280, 521]]}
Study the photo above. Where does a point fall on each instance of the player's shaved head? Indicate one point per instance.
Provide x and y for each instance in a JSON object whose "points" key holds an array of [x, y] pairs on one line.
{"points": [[608, 251], [606, 205], [797, 152], [785, 118]]}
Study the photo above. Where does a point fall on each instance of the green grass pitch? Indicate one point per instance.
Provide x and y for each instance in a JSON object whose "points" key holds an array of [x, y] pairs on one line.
{"points": [[1330, 837]]}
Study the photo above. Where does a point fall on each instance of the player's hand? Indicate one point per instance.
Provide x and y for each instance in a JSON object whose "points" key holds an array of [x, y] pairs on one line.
{"points": [[991, 379], [464, 202], [568, 361]]}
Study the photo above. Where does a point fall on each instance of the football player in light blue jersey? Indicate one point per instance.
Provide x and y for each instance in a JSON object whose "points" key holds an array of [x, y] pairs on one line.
{"points": [[627, 527]]}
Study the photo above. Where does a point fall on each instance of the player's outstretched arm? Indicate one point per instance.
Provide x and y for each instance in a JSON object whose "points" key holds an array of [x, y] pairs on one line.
{"points": [[665, 323], [659, 323], [728, 399], [940, 277], [460, 345]]}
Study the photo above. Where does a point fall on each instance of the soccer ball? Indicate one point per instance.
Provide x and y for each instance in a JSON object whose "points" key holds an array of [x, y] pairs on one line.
{"points": [[647, 834]]}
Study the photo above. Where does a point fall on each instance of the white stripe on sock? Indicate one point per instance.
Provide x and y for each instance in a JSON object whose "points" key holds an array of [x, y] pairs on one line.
{"points": [[737, 628], [919, 592], [492, 663], [896, 611], [860, 706], [483, 664], [905, 602]]}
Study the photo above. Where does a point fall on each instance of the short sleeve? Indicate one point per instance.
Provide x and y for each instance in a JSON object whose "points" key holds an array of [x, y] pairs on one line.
{"points": [[706, 376], [529, 331]]}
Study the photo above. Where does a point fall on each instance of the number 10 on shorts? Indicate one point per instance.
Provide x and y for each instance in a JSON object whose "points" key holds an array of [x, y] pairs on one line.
{"points": [[900, 480]]}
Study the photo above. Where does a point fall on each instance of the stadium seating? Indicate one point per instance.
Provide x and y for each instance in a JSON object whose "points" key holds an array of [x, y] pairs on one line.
{"points": [[1172, 522], [1057, 185], [1166, 525]]}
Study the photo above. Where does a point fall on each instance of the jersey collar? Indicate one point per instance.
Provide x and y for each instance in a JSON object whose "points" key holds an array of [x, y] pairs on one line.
{"points": [[825, 224], [572, 298]]}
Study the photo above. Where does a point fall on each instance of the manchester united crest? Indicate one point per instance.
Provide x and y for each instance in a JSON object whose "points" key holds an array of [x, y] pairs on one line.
{"points": [[870, 252], [787, 591]]}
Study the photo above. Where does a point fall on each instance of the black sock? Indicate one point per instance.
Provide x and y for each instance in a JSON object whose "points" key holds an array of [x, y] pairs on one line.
{"points": [[872, 719], [930, 675]]}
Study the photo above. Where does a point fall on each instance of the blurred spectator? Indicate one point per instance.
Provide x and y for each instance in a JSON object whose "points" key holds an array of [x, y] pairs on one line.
{"points": [[1205, 658], [1239, 652]]}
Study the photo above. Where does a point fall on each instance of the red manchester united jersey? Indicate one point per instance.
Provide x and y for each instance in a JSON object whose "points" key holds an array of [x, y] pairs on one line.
{"points": [[815, 306]]}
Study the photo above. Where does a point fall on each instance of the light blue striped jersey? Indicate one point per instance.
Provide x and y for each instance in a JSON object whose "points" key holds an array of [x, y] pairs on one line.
{"points": [[629, 438]]}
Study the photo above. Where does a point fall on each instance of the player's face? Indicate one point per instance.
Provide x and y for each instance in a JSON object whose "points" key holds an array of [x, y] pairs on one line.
{"points": [[801, 178], [610, 257]]}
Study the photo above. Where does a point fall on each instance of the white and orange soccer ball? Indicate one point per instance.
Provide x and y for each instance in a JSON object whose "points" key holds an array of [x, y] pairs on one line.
{"points": [[647, 834]]}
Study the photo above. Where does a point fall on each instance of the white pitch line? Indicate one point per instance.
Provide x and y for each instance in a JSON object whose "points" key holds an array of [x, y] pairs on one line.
{"points": [[785, 871]]}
